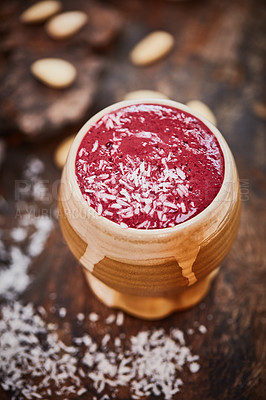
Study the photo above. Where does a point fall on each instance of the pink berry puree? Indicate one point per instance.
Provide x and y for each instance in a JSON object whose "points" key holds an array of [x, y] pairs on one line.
{"points": [[149, 166]]}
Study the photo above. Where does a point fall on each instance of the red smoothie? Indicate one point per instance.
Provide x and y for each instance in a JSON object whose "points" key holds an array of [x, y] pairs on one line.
{"points": [[149, 166]]}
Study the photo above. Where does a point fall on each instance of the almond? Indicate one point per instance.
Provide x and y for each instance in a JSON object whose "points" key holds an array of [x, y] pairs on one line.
{"points": [[144, 94], [40, 12], [152, 48], [203, 109], [66, 24], [54, 72], [62, 151]]}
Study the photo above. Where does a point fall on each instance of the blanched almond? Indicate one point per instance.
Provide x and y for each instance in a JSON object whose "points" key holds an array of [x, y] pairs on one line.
{"points": [[203, 109], [62, 151], [54, 72], [144, 94], [66, 24], [40, 12], [153, 47]]}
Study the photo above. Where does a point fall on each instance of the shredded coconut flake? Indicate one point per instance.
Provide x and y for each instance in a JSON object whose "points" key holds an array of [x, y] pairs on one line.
{"points": [[95, 146], [202, 329], [18, 234], [194, 367], [120, 318], [94, 317], [62, 312], [80, 317], [110, 319]]}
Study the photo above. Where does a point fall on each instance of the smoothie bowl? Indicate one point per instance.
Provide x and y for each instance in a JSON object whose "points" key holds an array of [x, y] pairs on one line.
{"points": [[150, 205]]}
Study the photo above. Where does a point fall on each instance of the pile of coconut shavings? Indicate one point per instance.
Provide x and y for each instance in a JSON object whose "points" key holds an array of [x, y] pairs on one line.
{"points": [[152, 364], [34, 187], [36, 364], [28, 236], [31, 352]]}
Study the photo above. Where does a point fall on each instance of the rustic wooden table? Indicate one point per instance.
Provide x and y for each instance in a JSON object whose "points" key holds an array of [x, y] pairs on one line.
{"points": [[219, 58]]}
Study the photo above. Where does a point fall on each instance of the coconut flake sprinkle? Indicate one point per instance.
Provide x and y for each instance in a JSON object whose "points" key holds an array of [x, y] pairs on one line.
{"points": [[34, 361], [149, 152]]}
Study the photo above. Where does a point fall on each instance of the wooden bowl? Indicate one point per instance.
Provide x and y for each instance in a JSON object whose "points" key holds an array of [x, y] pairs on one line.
{"points": [[150, 273]]}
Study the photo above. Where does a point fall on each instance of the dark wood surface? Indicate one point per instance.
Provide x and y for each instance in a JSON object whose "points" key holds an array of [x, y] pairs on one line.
{"points": [[219, 58]]}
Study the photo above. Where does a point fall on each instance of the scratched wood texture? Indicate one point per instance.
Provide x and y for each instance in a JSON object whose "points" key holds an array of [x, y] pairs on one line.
{"points": [[219, 58]]}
